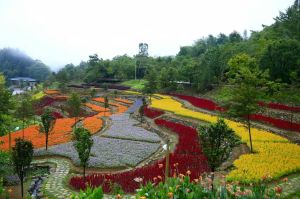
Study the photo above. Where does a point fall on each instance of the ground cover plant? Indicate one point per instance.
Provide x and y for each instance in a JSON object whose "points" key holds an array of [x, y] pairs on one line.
{"points": [[131, 130], [108, 153]]}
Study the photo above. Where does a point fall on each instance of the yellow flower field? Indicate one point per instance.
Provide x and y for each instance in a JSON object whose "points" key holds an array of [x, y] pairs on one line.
{"points": [[274, 155]]}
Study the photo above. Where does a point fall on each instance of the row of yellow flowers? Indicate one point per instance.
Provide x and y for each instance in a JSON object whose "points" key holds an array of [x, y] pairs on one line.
{"points": [[273, 156]]}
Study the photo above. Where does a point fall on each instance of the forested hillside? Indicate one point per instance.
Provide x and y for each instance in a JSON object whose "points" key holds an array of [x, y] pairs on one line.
{"points": [[204, 64], [14, 63]]}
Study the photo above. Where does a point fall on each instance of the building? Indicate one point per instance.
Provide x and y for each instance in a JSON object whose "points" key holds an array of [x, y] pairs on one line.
{"points": [[22, 82]]}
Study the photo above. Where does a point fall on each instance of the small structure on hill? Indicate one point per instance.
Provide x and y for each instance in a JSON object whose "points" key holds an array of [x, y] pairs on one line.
{"points": [[22, 82]]}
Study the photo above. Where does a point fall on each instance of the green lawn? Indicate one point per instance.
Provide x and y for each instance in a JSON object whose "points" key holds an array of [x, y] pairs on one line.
{"points": [[135, 84]]}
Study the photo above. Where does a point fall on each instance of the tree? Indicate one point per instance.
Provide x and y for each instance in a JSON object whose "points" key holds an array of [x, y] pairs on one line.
{"points": [[141, 112], [6, 105], [106, 104], [25, 110], [83, 145], [47, 124], [22, 156], [93, 93], [73, 104], [150, 86], [248, 83], [217, 141]]}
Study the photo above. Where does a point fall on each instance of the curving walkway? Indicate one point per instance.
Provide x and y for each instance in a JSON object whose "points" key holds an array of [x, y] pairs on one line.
{"points": [[54, 184]]}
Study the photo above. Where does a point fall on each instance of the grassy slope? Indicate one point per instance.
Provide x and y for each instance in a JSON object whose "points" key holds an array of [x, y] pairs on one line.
{"points": [[135, 84]]}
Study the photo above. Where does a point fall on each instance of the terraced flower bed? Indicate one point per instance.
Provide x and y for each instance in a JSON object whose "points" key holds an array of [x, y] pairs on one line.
{"points": [[276, 122], [152, 113], [188, 157], [283, 124], [280, 106], [268, 159], [106, 153], [124, 127], [61, 133]]}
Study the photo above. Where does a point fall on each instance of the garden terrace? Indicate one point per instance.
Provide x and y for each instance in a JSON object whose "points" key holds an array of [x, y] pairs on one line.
{"points": [[188, 156], [124, 127], [276, 122], [274, 155]]}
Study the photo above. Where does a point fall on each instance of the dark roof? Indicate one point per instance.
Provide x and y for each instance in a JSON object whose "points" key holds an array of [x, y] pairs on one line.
{"points": [[23, 79]]}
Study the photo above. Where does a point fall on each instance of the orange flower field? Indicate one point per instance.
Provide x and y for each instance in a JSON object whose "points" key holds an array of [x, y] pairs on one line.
{"points": [[96, 108], [123, 100], [121, 108], [93, 124], [61, 133], [51, 92]]}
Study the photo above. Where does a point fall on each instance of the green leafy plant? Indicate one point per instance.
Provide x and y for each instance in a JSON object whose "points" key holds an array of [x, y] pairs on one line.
{"points": [[83, 145], [89, 193]]}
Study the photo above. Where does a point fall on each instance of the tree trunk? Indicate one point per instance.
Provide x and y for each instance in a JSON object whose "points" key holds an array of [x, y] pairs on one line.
{"points": [[167, 172], [21, 179], [212, 178], [23, 128], [292, 116], [249, 129], [9, 141], [84, 173], [47, 141]]}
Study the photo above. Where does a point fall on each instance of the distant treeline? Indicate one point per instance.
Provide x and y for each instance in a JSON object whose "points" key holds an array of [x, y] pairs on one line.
{"points": [[204, 64], [14, 63]]}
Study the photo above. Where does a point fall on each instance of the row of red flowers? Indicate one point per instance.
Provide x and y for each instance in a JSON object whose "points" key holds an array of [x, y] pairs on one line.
{"points": [[279, 123], [280, 106], [152, 113], [200, 102], [212, 106], [188, 155], [276, 122]]}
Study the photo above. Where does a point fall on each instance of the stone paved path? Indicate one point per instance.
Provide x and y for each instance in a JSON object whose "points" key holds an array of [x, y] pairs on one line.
{"points": [[54, 184]]}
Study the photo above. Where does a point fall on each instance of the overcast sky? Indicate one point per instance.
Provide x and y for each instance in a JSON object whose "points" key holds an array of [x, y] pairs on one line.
{"points": [[68, 31]]}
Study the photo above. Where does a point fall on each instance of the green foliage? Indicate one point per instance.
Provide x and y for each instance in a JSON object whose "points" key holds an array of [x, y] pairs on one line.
{"points": [[47, 123], [135, 84], [93, 93], [5, 162], [150, 87], [282, 58], [217, 142], [141, 112], [106, 102], [73, 104], [25, 110], [89, 193], [22, 154], [83, 145], [6, 105], [248, 88]]}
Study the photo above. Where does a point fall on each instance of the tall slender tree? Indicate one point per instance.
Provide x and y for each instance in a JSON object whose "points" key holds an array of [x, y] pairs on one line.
{"points": [[248, 89], [83, 145], [25, 110], [74, 104], [48, 122], [106, 104], [22, 156]]}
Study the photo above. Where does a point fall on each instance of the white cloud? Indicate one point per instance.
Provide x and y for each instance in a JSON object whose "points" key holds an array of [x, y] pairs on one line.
{"points": [[64, 31]]}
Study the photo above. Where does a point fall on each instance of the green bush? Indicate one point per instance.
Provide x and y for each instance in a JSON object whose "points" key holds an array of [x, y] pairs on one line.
{"points": [[89, 193]]}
